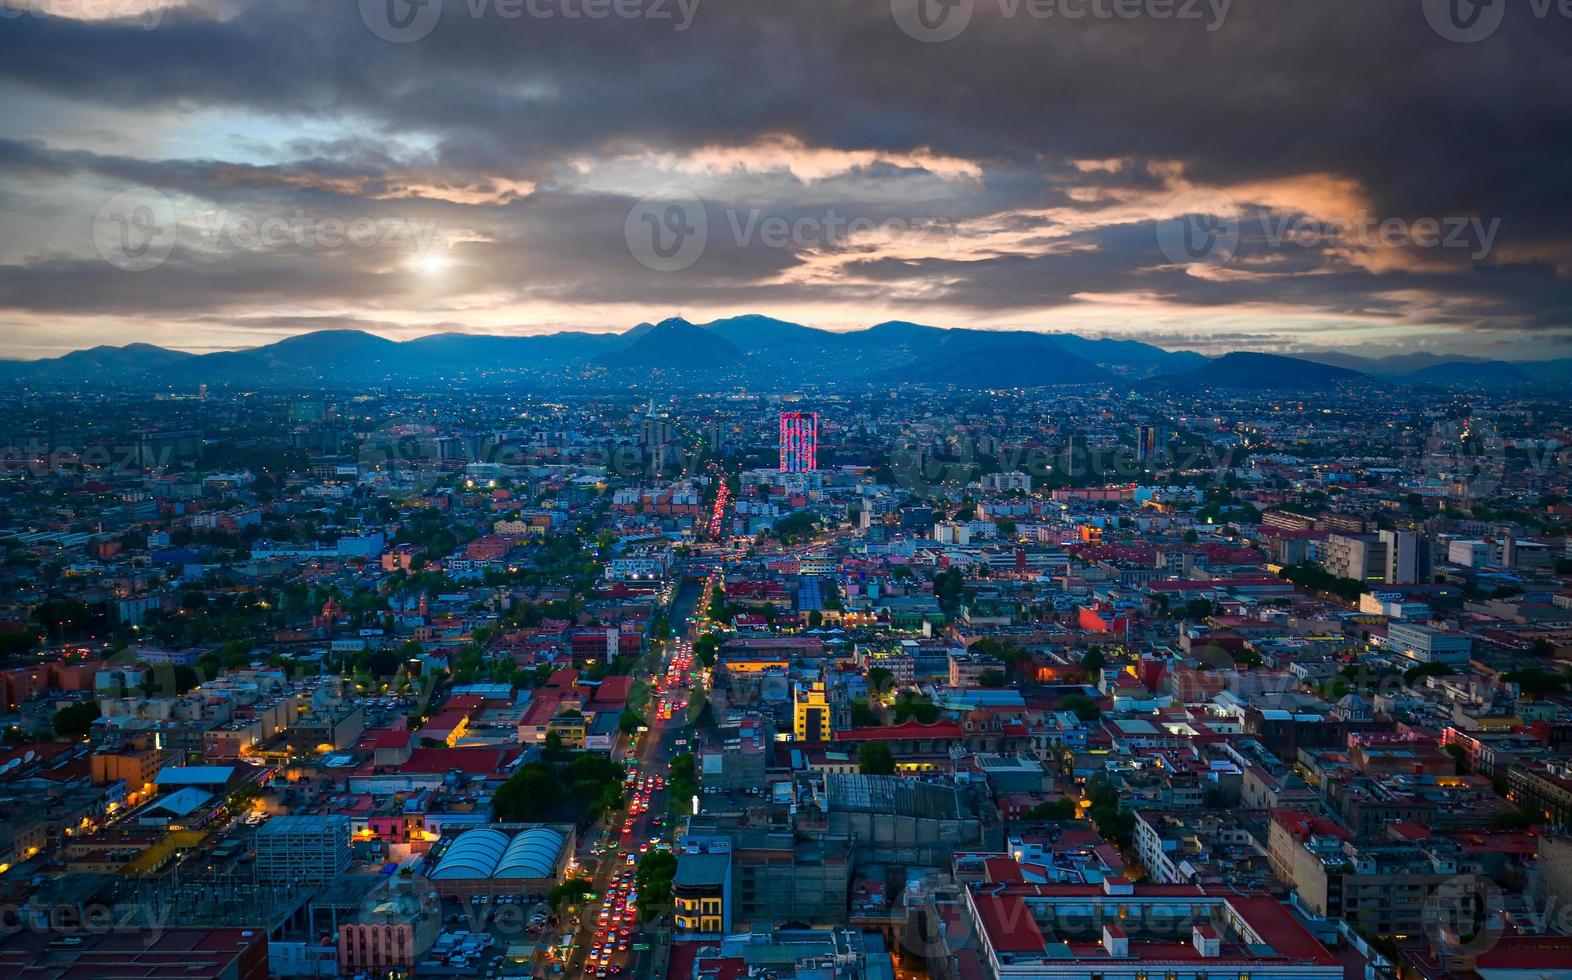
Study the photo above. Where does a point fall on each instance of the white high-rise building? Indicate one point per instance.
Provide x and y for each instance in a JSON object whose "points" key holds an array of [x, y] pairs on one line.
{"points": [[1407, 557]]}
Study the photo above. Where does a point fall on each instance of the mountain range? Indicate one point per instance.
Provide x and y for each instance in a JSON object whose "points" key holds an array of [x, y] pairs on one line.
{"points": [[760, 351]]}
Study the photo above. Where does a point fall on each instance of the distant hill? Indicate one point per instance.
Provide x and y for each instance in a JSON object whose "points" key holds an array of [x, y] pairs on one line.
{"points": [[1558, 371], [1132, 356], [753, 332], [676, 344], [1011, 361], [351, 356], [1390, 366], [763, 351], [457, 350], [1247, 369], [104, 363], [1484, 374]]}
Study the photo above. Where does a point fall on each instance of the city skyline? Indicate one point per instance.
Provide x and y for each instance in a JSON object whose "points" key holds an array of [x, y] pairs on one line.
{"points": [[1333, 178], [816, 489]]}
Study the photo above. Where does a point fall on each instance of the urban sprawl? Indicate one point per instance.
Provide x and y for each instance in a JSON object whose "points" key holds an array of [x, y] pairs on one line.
{"points": [[1103, 682]]}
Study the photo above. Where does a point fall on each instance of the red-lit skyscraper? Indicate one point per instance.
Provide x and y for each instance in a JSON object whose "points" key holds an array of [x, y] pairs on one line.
{"points": [[799, 442]]}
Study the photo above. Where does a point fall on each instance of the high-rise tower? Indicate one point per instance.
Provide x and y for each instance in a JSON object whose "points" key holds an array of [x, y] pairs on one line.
{"points": [[799, 442]]}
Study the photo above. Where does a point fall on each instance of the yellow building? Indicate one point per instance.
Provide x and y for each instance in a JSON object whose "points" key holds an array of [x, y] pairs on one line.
{"points": [[571, 728], [811, 714], [136, 767], [756, 664], [701, 888]]}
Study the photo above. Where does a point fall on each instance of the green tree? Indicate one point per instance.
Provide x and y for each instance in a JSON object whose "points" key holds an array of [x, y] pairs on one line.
{"points": [[948, 588], [573, 891], [862, 714], [683, 784], [909, 707], [875, 759], [1084, 707], [654, 878], [706, 648], [1317, 579], [1060, 809], [76, 720], [630, 722], [1413, 675], [991, 678], [1094, 662], [796, 527], [881, 680], [530, 793], [1536, 682], [1112, 822]]}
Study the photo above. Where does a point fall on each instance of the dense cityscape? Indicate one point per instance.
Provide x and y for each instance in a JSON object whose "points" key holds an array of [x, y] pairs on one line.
{"points": [[785, 489], [1170, 677]]}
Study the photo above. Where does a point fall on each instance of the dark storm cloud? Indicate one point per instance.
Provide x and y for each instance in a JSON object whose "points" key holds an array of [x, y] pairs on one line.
{"points": [[1364, 92]]}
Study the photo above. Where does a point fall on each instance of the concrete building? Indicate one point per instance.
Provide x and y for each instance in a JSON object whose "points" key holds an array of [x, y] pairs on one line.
{"points": [[1380, 889], [312, 848], [1472, 554], [1426, 644], [780, 876], [1120, 931], [325, 731], [1408, 557], [1361, 557], [811, 714], [701, 889], [900, 820], [788, 954]]}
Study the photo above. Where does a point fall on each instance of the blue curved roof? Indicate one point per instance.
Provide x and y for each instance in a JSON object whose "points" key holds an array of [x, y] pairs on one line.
{"points": [[473, 855], [532, 854]]}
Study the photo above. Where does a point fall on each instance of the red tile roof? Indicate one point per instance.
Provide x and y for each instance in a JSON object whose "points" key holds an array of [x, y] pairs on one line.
{"points": [[911, 729], [1009, 924], [613, 689], [477, 761]]}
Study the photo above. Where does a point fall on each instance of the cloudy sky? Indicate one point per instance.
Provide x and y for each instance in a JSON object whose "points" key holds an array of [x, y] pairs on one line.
{"points": [[1369, 175]]}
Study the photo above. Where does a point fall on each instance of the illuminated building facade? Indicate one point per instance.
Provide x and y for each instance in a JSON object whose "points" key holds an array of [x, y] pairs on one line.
{"points": [[799, 442], [1150, 443]]}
